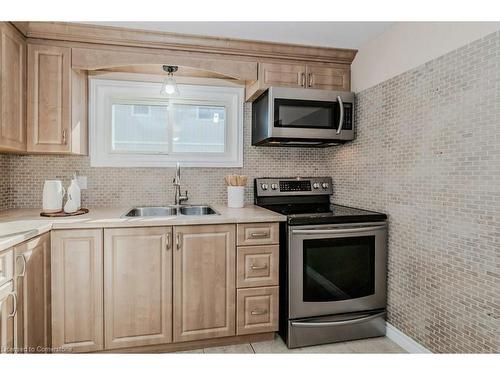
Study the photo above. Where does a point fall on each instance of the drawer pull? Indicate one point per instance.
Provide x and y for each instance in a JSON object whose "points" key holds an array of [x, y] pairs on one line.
{"points": [[258, 267], [260, 235], [258, 312]]}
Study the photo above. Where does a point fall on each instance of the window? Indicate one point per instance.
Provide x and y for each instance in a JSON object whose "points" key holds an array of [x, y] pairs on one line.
{"points": [[132, 125]]}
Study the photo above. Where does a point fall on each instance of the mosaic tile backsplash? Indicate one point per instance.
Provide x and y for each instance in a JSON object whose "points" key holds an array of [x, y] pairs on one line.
{"points": [[114, 187], [427, 153]]}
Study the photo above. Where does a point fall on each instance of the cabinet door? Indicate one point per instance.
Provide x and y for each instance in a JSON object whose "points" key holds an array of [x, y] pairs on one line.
{"points": [[12, 90], [204, 282], [328, 77], [137, 286], [289, 75], [49, 99], [77, 290], [7, 313], [32, 285]]}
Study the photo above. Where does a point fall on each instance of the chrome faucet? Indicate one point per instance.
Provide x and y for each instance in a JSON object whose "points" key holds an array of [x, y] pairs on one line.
{"points": [[179, 198]]}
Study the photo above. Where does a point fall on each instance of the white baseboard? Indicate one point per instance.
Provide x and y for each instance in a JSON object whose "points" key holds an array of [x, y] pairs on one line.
{"points": [[404, 341]]}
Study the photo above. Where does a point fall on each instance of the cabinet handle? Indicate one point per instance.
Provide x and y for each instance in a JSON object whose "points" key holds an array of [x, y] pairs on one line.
{"points": [[178, 241], [310, 79], [258, 267], [24, 265], [14, 309], [260, 235], [167, 240], [64, 140], [258, 312], [303, 79]]}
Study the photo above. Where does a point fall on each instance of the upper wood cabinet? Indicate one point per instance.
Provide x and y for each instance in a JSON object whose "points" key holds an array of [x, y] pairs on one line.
{"points": [[299, 75], [204, 282], [12, 90], [137, 286], [57, 102], [328, 77], [77, 290], [32, 285], [289, 75]]}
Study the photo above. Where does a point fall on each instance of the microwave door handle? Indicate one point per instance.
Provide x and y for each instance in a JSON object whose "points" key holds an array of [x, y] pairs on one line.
{"points": [[337, 323], [337, 231], [341, 120]]}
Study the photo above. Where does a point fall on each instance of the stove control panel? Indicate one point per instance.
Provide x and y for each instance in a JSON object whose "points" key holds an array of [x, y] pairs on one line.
{"points": [[293, 186]]}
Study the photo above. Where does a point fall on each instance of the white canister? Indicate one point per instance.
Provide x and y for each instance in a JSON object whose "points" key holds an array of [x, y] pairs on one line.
{"points": [[53, 194], [235, 196]]}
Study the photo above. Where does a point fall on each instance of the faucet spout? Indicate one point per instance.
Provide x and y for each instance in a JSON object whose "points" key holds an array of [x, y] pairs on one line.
{"points": [[178, 197]]}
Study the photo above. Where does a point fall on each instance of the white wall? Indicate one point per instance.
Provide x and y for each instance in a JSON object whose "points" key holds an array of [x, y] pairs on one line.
{"points": [[406, 45]]}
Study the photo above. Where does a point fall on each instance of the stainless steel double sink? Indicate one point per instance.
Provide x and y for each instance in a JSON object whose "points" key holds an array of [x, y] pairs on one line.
{"points": [[171, 210]]}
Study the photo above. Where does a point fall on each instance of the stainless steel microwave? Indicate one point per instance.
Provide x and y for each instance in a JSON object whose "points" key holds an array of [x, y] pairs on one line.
{"points": [[302, 117]]}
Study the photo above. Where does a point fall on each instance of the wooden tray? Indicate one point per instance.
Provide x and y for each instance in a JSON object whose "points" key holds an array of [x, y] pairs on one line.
{"points": [[81, 211]]}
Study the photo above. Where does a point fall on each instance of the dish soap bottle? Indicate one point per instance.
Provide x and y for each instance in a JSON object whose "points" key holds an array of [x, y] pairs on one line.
{"points": [[75, 193]]}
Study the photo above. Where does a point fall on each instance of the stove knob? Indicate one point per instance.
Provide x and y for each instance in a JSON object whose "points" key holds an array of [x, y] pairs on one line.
{"points": [[325, 185], [315, 185], [274, 186], [264, 186]]}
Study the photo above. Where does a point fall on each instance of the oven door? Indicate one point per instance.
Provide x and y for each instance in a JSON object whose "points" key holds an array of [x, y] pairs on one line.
{"points": [[337, 269]]}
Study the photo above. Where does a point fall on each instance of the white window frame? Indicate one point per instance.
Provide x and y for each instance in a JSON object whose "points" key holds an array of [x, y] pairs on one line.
{"points": [[104, 92]]}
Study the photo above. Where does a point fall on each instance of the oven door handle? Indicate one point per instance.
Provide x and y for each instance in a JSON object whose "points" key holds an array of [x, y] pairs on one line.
{"points": [[337, 231], [338, 322]]}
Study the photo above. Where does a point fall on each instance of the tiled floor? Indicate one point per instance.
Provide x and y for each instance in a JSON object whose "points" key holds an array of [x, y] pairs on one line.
{"points": [[375, 345]]}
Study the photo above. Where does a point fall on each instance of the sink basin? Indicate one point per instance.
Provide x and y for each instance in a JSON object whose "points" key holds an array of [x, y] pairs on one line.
{"points": [[151, 211], [191, 210], [197, 210]]}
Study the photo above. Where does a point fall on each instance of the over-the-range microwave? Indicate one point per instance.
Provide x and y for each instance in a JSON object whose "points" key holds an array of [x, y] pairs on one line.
{"points": [[302, 117]]}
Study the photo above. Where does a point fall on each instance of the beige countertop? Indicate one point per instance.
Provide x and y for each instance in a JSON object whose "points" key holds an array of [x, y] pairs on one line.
{"points": [[19, 225]]}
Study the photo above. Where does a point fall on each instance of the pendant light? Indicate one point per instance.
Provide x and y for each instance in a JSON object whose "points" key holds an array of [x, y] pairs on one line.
{"points": [[169, 87]]}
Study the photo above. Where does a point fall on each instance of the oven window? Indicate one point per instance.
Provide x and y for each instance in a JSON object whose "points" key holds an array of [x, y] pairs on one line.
{"points": [[337, 269], [289, 113]]}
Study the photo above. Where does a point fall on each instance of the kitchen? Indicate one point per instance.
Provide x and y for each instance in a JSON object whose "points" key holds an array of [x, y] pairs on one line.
{"points": [[169, 190]]}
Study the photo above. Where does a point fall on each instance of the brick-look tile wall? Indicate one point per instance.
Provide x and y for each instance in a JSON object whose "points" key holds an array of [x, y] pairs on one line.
{"points": [[112, 187], [427, 153], [5, 196]]}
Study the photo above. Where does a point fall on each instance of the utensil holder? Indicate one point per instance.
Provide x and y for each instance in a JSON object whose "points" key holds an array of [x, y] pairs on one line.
{"points": [[235, 196]]}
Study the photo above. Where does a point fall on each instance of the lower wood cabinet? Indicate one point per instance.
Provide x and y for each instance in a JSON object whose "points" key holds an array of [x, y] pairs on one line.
{"points": [[123, 288], [77, 290], [137, 286], [7, 313], [204, 282], [32, 285], [257, 266], [257, 310]]}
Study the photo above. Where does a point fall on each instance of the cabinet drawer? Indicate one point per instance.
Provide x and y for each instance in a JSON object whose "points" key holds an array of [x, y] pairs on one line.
{"points": [[258, 234], [257, 266], [257, 310], [6, 266]]}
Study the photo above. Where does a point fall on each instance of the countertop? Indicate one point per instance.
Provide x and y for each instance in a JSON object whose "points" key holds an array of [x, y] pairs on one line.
{"points": [[19, 225]]}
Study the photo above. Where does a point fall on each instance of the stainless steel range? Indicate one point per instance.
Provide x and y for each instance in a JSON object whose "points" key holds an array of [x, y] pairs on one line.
{"points": [[332, 263]]}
